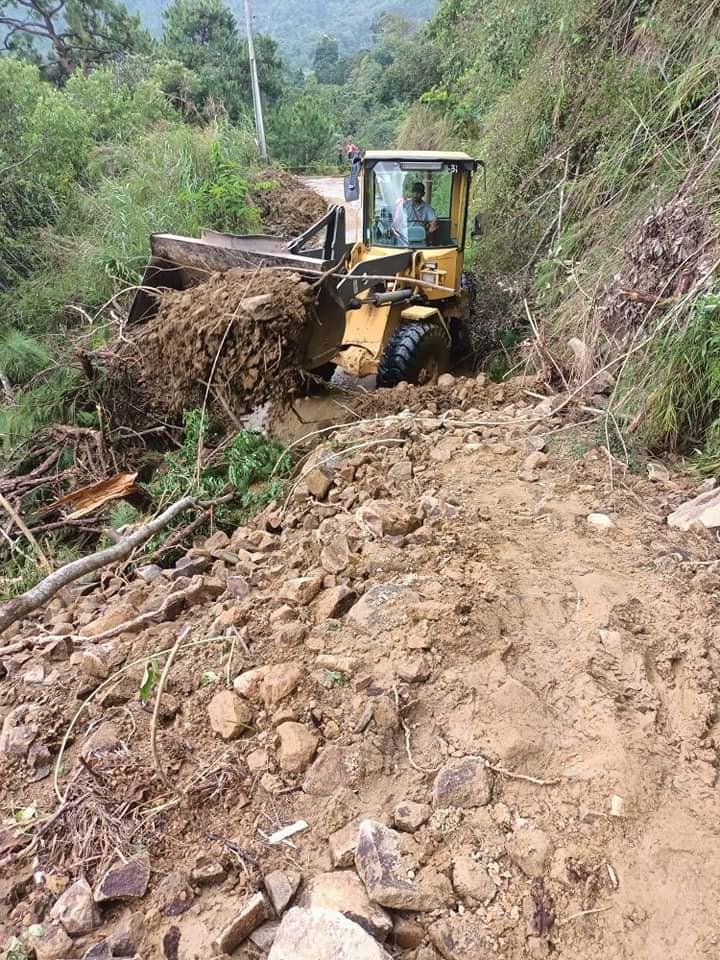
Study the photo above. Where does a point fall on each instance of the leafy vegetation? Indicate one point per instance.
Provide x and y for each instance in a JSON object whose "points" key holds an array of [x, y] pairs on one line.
{"points": [[683, 407], [248, 465]]}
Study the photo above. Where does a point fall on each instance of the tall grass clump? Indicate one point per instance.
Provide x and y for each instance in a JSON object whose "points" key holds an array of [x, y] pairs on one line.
{"points": [[683, 379]]}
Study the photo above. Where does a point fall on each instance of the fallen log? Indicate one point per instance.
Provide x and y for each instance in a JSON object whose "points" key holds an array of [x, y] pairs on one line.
{"points": [[43, 592]]}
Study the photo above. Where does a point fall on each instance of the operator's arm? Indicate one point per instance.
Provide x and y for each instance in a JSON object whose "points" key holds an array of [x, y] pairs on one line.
{"points": [[432, 222]]}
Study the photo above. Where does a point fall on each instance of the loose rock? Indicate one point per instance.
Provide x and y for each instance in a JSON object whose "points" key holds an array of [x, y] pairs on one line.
{"points": [[279, 681], [471, 880], [340, 767], [410, 816], [318, 482], [76, 910], [249, 684], [301, 590], [16, 738], [334, 603], [207, 871], [297, 747], [321, 934], [463, 783], [254, 912], [377, 860], [406, 933], [343, 891], [462, 938], [335, 554], [264, 936], [229, 715], [281, 886], [52, 944], [413, 670], [127, 881], [174, 895], [530, 850]]}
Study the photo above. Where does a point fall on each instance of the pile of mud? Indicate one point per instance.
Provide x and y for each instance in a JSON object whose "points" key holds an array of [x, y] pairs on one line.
{"points": [[289, 207], [242, 332]]}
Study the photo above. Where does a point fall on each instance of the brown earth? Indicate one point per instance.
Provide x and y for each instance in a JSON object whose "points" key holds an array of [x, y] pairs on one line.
{"points": [[289, 207], [446, 603], [242, 331]]}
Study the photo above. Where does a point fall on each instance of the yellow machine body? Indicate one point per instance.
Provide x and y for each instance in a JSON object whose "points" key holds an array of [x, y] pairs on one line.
{"points": [[437, 269], [404, 269]]}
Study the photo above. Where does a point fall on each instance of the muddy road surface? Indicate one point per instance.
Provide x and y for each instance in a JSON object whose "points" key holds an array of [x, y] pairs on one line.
{"points": [[331, 189]]}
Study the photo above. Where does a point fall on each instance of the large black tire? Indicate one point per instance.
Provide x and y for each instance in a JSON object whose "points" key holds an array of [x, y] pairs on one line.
{"points": [[325, 371], [417, 352]]}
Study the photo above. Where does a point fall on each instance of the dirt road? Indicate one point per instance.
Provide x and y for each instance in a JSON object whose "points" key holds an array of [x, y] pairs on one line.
{"points": [[331, 189], [500, 650]]}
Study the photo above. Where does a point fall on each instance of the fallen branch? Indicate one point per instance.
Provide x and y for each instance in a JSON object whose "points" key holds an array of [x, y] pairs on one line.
{"points": [[22, 527], [43, 592], [406, 730], [157, 763], [150, 617]]}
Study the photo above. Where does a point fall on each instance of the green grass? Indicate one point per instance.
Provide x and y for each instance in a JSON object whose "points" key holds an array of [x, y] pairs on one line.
{"points": [[683, 380]]}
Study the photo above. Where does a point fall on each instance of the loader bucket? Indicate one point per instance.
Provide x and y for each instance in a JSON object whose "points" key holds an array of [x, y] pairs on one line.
{"points": [[177, 263]]}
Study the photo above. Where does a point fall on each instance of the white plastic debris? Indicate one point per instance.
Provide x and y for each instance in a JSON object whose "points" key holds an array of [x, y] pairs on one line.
{"points": [[280, 836]]}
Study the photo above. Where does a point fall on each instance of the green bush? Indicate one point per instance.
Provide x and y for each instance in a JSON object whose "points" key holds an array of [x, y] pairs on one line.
{"points": [[250, 466], [21, 357]]}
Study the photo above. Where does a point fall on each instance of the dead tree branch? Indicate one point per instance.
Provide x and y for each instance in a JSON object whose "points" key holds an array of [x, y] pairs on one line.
{"points": [[43, 592]]}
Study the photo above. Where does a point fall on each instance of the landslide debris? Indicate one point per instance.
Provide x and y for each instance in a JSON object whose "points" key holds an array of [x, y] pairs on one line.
{"points": [[288, 208], [346, 663], [242, 331]]}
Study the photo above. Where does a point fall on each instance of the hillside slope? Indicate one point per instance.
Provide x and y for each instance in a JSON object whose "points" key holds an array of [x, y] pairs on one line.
{"points": [[298, 24], [599, 124]]}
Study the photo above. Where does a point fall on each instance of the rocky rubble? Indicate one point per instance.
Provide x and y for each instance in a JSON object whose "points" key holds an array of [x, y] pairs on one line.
{"points": [[426, 711]]}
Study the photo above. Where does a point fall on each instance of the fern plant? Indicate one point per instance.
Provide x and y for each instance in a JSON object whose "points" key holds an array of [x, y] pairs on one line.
{"points": [[250, 466], [21, 356]]}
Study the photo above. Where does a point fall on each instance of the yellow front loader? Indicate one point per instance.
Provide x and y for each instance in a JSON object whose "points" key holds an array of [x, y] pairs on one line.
{"points": [[388, 302]]}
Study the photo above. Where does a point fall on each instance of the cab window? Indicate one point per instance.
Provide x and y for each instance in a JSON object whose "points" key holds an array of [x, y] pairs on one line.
{"points": [[410, 205]]}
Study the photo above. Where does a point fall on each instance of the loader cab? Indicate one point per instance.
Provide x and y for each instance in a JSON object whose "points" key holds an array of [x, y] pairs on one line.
{"points": [[391, 218]]}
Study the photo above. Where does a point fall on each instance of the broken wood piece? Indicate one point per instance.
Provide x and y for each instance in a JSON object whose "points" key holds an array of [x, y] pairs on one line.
{"points": [[87, 499]]}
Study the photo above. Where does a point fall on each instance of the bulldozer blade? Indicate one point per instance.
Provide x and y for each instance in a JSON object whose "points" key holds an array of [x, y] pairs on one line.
{"points": [[177, 263]]}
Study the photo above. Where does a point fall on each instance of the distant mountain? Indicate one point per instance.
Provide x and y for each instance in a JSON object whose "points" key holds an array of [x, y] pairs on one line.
{"points": [[297, 25]]}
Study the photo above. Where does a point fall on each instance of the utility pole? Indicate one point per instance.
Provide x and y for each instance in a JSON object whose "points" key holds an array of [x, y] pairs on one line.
{"points": [[257, 104]]}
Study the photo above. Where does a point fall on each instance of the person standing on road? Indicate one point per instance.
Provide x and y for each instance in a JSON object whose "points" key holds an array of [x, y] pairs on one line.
{"points": [[352, 152]]}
